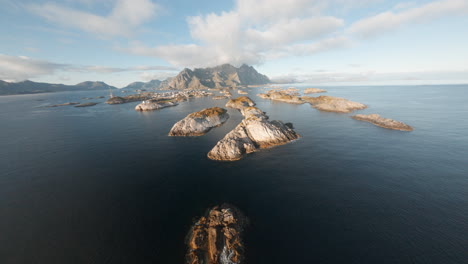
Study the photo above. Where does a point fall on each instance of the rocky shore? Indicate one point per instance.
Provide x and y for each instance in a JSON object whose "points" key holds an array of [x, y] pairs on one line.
{"points": [[64, 104], [254, 132], [291, 96], [155, 104], [216, 238], [86, 104], [383, 122], [240, 102], [175, 96], [333, 104], [199, 123], [314, 90]]}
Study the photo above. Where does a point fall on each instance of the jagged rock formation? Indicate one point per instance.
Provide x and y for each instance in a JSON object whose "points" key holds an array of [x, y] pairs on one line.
{"points": [[254, 132], [240, 102], [383, 122], [314, 90], [282, 96], [199, 123], [222, 76], [151, 85], [216, 238], [333, 104], [155, 104]]}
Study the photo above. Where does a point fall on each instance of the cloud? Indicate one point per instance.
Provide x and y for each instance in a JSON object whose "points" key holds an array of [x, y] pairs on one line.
{"points": [[148, 76], [387, 21], [19, 68], [254, 31], [123, 20], [370, 76]]}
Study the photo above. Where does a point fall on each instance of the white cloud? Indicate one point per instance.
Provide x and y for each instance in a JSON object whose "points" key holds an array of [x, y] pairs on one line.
{"points": [[390, 20], [255, 31], [125, 17], [148, 76], [376, 77], [19, 68]]}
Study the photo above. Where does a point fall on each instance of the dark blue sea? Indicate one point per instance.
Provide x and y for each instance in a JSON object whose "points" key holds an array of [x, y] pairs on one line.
{"points": [[105, 184]]}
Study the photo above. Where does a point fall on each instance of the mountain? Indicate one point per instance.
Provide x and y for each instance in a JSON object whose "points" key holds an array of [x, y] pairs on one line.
{"points": [[151, 85], [30, 87], [221, 76]]}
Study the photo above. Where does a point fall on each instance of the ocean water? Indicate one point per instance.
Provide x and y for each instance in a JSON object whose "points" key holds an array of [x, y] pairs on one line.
{"points": [[105, 184]]}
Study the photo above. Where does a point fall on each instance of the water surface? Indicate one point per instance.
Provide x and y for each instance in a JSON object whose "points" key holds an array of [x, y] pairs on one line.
{"points": [[105, 184]]}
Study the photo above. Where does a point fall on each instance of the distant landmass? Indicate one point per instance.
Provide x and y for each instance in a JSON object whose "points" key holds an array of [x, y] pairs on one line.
{"points": [[222, 76], [151, 85], [30, 87]]}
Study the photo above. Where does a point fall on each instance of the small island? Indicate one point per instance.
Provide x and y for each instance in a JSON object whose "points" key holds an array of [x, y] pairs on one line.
{"points": [[240, 102], [254, 132], [383, 122], [64, 104], [216, 237], [333, 104], [287, 96], [313, 90], [86, 104], [200, 123]]}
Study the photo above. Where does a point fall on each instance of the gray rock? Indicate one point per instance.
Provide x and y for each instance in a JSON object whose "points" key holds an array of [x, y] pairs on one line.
{"points": [[199, 123], [253, 133]]}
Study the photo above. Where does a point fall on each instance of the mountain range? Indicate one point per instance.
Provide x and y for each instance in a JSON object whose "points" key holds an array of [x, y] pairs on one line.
{"points": [[30, 87], [222, 76]]}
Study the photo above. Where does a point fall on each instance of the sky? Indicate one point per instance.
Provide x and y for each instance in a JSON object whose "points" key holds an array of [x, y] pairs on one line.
{"points": [[334, 42]]}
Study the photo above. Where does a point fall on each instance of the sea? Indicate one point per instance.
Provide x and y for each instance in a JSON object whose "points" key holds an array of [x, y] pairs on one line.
{"points": [[105, 184]]}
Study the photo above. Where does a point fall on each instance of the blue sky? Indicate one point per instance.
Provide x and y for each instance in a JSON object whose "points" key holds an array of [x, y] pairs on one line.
{"points": [[335, 42]]}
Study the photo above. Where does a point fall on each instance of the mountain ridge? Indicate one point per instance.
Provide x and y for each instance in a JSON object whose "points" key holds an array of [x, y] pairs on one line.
{"points": [[30, 87]]}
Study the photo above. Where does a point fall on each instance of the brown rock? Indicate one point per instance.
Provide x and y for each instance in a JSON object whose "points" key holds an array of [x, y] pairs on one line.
{"points": [[240, 102], [333, 104], [383, 122], [216, 238], [199, 123]]}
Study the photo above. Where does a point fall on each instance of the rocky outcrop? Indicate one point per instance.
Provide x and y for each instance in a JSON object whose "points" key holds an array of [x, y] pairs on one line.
{"points": [[242, 92], [216, 238], [219, 97], [86, 104], [154, 104], [240, 102], [129, 98], [314, 90], [218, 77], [333, 104], [282, 96], [254, 132], [199, 123], [383, 122], [64, 104]]}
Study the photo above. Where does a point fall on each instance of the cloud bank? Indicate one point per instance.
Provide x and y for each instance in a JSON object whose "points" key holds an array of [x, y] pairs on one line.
{"points": [[254, 31], [20, 68], [125, 17], [387, 21]]}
